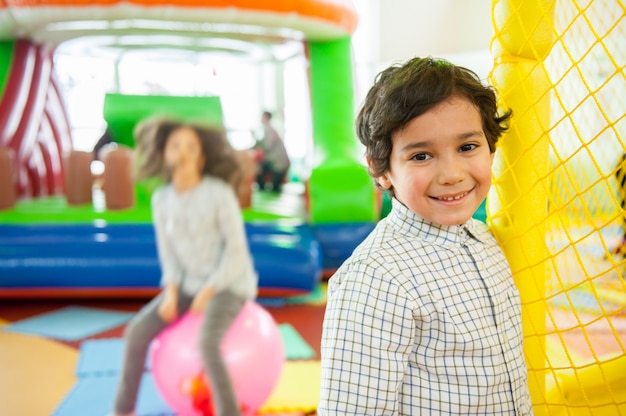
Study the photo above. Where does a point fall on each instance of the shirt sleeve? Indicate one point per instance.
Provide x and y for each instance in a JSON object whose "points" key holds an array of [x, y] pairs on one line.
{"points": [[171, 270], [368, 334], [235, 256]]}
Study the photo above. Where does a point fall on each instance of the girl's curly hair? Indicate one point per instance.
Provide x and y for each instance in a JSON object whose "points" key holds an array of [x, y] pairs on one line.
{"points": [[152, 135]]}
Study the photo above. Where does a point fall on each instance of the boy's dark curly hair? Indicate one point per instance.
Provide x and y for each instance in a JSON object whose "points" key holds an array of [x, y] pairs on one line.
{"points": [[405, 91]]}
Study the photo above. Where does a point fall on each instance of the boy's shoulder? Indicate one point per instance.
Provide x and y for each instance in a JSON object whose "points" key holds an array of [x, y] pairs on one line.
{"points": [[375, 239], [478, 227], [481, 231], [385, 241], [486, 238], [380, 244]]}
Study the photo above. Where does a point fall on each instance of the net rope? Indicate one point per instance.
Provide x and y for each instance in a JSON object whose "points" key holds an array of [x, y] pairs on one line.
{"points": [[557, 204]]}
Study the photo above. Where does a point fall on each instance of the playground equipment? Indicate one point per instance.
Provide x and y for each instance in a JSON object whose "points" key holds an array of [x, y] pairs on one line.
{"points": [[560, 67], [57, 249], [253, 353]]}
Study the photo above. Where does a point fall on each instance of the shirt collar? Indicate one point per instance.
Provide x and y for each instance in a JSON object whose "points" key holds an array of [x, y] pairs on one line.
{"points": [[408, 222]]}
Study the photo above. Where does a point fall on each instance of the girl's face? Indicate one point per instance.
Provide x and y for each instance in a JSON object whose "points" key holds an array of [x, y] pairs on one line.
{"points": [[183, 151], [440, 163]]}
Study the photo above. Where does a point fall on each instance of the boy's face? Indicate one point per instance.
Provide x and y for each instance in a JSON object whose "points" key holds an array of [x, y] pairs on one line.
{"points": [[183, 151], [440, 163]]}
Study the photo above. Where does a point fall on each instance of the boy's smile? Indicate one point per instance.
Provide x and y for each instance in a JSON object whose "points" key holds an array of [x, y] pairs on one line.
{"points": [[440, 163]]}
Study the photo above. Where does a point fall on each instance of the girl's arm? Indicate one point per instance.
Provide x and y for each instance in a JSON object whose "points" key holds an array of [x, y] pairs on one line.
{"points": [[171, 270], [168, 308], [235, 257]]}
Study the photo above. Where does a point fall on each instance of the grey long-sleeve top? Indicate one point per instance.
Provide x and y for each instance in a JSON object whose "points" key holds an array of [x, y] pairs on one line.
{"points": [[201, 239]]}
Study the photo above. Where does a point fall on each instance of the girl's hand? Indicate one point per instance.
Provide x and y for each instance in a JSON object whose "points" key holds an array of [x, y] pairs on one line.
{"points": [[168, 308], [202, 299]]}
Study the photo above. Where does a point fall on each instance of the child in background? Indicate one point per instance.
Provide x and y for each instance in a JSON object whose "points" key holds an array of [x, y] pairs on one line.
{"points": [[205, 261], [620, 177], [424, 317], [275, 162]]}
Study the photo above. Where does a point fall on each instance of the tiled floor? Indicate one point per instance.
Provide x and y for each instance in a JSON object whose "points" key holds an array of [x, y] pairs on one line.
{"points": [[36, 367]]}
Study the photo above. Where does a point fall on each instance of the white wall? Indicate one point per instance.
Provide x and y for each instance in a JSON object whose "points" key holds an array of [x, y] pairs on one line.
{"points": [[433, 27], [392, 31]]}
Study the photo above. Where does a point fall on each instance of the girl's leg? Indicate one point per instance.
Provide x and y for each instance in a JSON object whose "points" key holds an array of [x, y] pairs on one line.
{"points": [[139, 332], [219, 315]]}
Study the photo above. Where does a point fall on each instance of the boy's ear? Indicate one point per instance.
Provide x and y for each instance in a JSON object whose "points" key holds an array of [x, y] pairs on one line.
{"points": [[384, 181]]}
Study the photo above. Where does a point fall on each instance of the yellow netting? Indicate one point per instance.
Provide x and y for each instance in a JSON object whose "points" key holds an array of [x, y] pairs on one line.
{"points": [[556, 204]]}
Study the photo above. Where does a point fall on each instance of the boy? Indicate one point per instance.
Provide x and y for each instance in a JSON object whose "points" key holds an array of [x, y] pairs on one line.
{"points": [[424, 317]]}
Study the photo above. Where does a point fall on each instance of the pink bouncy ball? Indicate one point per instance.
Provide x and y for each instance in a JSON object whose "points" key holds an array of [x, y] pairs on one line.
{"points": [[253, 352]]}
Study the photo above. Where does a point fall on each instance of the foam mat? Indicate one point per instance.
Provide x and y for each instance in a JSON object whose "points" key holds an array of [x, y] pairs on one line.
{"points": [[297, 389], [99, 364], [70, 324], [100, 357], [103, 356], [94, 396], [35, 374], [296, 348]]}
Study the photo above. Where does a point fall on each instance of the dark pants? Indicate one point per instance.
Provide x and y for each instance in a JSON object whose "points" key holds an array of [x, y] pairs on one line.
{"points": [[276, 177], [147, 324]]}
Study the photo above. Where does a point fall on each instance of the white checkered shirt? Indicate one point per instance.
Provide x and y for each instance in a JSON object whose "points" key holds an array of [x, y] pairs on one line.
{"points": [[423, 319]]}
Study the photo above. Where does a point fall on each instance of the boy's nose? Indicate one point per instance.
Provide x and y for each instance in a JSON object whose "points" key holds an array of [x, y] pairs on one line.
{"points": [[450, 172]]}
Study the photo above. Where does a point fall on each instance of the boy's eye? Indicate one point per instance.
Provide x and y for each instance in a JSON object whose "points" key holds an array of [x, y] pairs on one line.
{"points": [[421, 156], [468, 147]]}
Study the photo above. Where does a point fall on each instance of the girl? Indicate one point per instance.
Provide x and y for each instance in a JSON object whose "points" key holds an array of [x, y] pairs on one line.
{"points": [[205, 261]]}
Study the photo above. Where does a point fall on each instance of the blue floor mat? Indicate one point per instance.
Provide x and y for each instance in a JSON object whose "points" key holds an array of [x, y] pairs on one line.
{"points": [[296, 348], [71, 323], [99, 366], [94, 396], [101, 357]]}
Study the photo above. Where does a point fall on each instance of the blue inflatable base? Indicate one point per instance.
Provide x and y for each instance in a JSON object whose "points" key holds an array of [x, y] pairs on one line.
{"points": [[287, 258]]}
